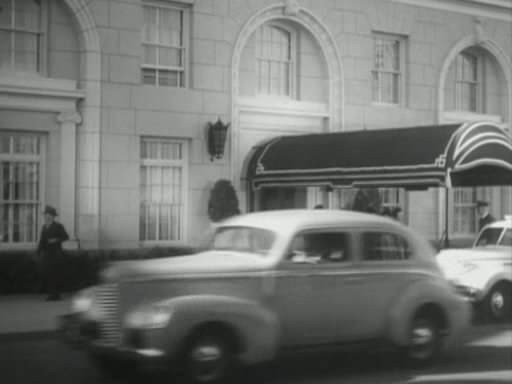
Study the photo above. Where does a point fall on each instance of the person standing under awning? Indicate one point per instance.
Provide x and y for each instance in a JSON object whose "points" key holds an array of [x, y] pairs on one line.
{"points": [[485, 216]]}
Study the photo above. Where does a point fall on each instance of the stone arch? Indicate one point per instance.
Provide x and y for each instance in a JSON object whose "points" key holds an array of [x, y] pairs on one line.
{"points": [[290, 11], [490, 46]]}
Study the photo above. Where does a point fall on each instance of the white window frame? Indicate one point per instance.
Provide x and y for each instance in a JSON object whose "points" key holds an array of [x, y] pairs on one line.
{"points": [[292, 62], [392, 198], [40, 158], [461, 206], [378, 86], [476, 83], [182, 70], [183, 165], [41, 68]]}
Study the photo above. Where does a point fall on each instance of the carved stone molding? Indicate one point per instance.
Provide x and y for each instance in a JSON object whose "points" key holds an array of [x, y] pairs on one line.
{"points": [[480, 34], [291, 8], [69, 117]]}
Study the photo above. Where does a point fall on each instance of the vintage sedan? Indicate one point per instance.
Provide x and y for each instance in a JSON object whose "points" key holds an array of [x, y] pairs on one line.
{"points": [[483, 273], [268, 282]]}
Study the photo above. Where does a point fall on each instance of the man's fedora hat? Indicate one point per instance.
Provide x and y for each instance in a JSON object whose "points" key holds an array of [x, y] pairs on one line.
{"points": [[50, 211], [482, 203]]}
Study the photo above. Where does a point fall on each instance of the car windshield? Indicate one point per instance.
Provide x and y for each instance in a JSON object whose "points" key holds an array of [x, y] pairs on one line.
{"points": [[242, 239], [492, 236]]}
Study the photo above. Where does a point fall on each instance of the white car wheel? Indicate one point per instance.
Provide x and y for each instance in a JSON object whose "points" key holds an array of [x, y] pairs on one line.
{"points": [[498, 302]]}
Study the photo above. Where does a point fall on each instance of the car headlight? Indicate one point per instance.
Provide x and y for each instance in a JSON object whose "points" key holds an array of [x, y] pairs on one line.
{"points": [[149, 317], [83, 300]]}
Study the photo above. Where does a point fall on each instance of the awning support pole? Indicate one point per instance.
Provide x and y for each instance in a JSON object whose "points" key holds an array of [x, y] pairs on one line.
{"points": [[446, 218]]}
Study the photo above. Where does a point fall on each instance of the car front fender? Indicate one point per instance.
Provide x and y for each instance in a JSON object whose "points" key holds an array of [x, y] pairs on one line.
{"points": [[420, 293], [254, 326]]}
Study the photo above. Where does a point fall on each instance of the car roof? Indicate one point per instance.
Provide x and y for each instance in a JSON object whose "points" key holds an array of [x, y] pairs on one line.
{"points": [[292, 219], [507, 223]]}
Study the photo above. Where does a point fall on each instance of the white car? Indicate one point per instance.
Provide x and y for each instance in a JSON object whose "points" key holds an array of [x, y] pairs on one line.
{"points": [[483, 273]]}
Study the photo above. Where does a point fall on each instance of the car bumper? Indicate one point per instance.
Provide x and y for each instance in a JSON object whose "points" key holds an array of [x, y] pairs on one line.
{"points": [[83, 333], [470, 294]]}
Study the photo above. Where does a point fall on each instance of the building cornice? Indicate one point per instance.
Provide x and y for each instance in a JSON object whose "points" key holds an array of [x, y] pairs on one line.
{"points": [[40, 87], [494, 9]]}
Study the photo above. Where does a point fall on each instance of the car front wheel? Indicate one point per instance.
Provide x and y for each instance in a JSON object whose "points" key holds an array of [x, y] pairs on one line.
{"points": [[207, 358], [424, 340], [498, 302]]}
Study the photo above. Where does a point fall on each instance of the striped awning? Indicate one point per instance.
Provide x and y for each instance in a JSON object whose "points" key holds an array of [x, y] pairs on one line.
{"points": [[469, 154]]}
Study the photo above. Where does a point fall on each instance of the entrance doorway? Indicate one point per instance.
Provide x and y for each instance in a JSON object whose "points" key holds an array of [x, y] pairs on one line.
{"points": [[280, 198]]}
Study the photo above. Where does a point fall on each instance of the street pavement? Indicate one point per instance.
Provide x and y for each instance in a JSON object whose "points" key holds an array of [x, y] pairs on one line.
{"points": [[31, 352], [20, 314], [484, 358]]}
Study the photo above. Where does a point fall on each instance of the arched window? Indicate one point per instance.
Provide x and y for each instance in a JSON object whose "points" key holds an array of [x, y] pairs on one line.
{"points": [[21, 35], [467, 83], [274, 61]]}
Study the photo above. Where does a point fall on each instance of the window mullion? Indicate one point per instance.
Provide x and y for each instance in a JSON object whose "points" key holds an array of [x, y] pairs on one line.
{"points": [[13, 37]]}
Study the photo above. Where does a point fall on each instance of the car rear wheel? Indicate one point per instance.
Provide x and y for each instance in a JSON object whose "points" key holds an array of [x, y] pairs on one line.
{"points": [[424, 340], [208, 358], [498, 302]]}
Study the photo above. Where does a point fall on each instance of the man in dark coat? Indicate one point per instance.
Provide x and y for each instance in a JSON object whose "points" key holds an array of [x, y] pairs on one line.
{"points": [[49, 249], [485, 216]]}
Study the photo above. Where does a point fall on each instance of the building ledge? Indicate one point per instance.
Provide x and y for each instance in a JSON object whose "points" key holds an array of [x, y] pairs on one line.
{"points": [[33, 85], [495, 9], [283, 106]]}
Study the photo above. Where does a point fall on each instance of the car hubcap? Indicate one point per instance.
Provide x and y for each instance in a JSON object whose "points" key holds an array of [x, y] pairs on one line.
{"points": [[422, 336], [497, 303], [207, 362], [422, 341]]}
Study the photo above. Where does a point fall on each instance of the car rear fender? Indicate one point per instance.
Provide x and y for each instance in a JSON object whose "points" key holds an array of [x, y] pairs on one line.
{"points": [[252, 328], [419, 294]]}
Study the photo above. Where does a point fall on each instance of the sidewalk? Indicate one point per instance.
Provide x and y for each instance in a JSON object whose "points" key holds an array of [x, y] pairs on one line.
{"points": [[23, 314]]}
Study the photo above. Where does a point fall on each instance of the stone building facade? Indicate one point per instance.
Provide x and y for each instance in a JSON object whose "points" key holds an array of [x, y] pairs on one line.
{"points": [[104, 103]]}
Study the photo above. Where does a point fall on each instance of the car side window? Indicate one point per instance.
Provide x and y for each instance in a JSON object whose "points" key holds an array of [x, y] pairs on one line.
{"points": [[319, 247], [507, 237], [382, 246]]}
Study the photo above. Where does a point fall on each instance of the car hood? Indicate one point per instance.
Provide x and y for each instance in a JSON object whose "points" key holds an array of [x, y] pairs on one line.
{"points": [[449, 256], [211, 262]]}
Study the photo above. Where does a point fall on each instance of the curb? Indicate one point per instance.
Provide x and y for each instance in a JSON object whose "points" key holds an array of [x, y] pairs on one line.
{"points": [[17, 336]]}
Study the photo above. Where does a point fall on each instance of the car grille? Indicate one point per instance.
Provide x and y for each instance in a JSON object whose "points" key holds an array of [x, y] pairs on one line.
{"points": [[107, 300]]}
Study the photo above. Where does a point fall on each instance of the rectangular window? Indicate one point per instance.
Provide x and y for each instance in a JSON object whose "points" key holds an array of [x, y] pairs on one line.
{"points": [[21, 35], [464, 211], [164, 42], [162, 189], [20, 179], [467, 82], [274, 61], [343, 198], [388, 67], [392, 198]]}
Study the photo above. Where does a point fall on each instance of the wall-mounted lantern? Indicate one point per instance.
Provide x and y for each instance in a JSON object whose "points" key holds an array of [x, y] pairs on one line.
{"points": [[217, 134]]}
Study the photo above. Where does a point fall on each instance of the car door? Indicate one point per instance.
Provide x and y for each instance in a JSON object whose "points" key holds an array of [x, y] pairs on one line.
{"points": [[386, 267], [314, 293]]}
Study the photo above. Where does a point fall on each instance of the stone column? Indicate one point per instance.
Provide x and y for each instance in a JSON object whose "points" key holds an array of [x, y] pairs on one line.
{"points": [[68, 168]]}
